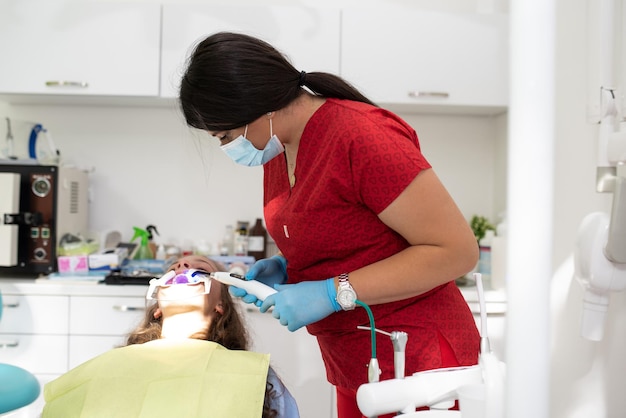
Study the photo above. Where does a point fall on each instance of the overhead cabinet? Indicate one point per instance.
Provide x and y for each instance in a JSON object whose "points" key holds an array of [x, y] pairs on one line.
{"points": [[309, 37], [80, 48], [419, 58], [397, 55]]}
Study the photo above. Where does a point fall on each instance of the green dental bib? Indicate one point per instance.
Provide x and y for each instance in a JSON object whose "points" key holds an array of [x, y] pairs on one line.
{"points": [[162, 378]]}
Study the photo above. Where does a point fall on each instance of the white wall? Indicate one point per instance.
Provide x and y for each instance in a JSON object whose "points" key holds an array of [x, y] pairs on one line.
{"points": [[150, 168], [146, 161], [576, 138]]}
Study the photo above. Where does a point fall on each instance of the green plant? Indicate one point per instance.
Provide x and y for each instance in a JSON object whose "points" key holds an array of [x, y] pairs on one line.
{"points": [[480, 225]]}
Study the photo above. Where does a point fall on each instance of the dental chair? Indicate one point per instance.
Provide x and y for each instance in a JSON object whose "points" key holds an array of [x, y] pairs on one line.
{"points": [[18, 387]]}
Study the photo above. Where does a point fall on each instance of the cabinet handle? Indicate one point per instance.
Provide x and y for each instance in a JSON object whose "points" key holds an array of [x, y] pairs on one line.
{"points": [[11, 305], [429, 94], [9, 344], [63, 83], [126, 308]]}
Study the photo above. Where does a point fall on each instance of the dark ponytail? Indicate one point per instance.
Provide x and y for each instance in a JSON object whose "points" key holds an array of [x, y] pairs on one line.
{"points": [[233, 79]]}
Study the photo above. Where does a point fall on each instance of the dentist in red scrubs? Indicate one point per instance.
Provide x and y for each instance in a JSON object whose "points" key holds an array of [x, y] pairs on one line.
{"points": [[353, 205]]}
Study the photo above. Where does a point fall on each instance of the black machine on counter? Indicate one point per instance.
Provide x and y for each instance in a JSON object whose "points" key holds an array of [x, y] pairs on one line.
{"points": [[38, 205]]}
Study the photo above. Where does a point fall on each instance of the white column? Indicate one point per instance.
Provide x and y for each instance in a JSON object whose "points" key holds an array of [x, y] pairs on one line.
{"points": [[529, 206]]}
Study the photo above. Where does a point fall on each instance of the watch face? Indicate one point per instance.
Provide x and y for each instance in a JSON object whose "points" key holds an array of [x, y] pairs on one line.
{"points": [[346, 298]]}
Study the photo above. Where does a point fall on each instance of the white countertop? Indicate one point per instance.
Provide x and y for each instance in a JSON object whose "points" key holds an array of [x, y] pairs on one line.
{"points": [[470, 293], [45, 286]]}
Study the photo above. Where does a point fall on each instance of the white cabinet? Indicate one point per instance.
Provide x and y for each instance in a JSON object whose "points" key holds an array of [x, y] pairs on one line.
{"points": [[296, 358], [308, 36], [105, 315], [50, 328], [34, 314], [396, 54], [33, 332], [403, 55], [101, 323], [79, 48]]}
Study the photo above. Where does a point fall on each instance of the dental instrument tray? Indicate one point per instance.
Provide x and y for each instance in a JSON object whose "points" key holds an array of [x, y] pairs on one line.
{"points": [[119, 277], [138, 272]]}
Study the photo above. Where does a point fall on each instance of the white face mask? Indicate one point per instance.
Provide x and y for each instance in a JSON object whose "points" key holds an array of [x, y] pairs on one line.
{"points": [[241, 150]]}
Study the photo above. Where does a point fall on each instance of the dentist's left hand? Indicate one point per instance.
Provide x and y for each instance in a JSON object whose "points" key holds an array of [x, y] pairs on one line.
{"points": [[300, 304]]}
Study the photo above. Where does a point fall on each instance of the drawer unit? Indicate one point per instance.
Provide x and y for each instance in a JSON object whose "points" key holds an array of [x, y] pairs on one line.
{"points": [[97, 315], [50, 328], [34, 314], [35, 353], [85, 347]]}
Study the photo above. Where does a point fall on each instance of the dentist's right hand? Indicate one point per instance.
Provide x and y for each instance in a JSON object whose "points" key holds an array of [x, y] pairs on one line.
{"points": [[269, 271]]}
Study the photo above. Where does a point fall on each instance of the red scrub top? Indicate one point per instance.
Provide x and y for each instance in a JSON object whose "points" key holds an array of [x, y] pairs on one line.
{"points": [[353, 161]]}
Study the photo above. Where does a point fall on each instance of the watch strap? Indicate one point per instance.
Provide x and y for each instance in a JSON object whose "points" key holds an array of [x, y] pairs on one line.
{"points": [[344, 287]]}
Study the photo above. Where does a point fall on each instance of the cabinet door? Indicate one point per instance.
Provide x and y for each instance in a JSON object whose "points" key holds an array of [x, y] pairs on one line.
{"points": [[79, 48], [35, 353], [308, 36], [35, 314], [402, 55], [103, 315], [296, 358], [83, 347]]}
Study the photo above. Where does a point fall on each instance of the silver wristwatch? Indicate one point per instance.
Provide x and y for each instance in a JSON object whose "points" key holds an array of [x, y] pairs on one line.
{"points": [[346, 296]]}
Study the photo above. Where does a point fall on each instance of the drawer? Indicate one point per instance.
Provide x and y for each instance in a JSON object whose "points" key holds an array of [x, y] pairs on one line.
{"points": [[83, 348], [46, 354], [296, 357], [100, 315], [34, 314]]}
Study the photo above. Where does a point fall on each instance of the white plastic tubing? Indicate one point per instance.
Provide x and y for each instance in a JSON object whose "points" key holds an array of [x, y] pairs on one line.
{"points": [[529, 206]]}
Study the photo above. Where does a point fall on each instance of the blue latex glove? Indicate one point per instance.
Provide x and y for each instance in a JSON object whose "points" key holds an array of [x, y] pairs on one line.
{"points": [[270, 271], [300, 304]]}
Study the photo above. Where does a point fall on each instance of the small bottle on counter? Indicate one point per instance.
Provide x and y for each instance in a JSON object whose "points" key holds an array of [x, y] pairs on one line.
{"points": [[227, 246], [203, 248], [241, 239], [257, 240], [484, 260], [161, 254]]}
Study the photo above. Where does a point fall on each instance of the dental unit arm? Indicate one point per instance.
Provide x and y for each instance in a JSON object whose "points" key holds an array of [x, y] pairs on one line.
{"points": [[434, 388], [600, 251], [600, 260]]}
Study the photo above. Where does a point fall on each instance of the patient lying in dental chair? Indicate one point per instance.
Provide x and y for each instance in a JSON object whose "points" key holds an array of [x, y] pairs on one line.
{"points": [[188, 358]]}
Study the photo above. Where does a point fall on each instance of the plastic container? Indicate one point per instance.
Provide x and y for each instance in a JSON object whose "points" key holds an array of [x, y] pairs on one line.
{"points": [[257, 240], [161, 254], [484, 261], [143, 252], [151, 229], [241, 239], [227, 246], [203, 248]]}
